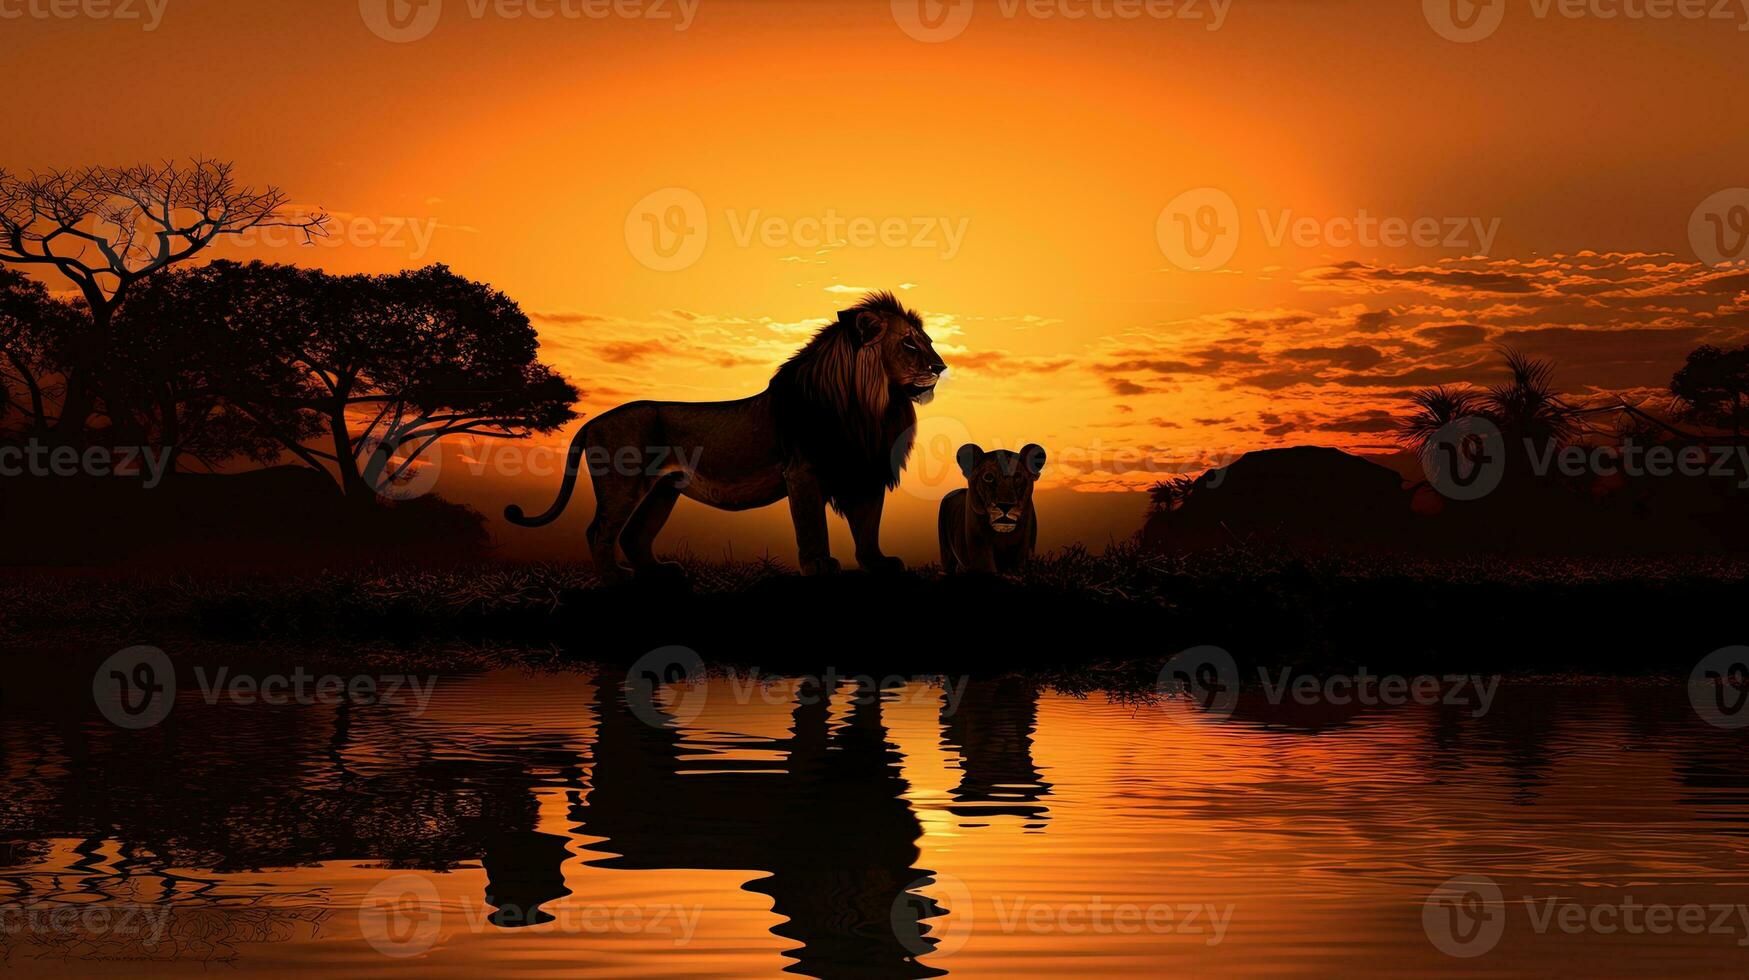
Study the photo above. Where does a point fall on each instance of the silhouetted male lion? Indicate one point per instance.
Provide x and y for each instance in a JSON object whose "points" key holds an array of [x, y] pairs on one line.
{"points": [[834, 427]]}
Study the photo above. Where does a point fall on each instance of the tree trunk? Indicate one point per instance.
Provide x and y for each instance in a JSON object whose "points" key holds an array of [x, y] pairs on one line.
{"points": [[352, 482], [39, 415], [76, 408], [80, 400], [171, 437]]}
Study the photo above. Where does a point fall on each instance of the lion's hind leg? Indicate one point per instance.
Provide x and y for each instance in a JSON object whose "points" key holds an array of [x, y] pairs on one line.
{"points": [[616, 500], [639, 537], [605, 552]]}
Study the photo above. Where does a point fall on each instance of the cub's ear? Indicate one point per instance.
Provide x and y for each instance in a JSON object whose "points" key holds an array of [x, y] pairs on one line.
{"points": [[865, 325], [1033, 458], [968, 457]]}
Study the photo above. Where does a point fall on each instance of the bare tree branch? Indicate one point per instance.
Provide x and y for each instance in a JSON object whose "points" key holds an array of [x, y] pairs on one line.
{"points": [[138, 219]]}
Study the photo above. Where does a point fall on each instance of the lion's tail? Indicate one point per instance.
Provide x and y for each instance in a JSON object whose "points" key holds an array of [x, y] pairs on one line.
{"points": [[514, 514]]}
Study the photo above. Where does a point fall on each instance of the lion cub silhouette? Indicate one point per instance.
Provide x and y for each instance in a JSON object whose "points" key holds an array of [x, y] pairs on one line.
{"points": [[990, 526]]}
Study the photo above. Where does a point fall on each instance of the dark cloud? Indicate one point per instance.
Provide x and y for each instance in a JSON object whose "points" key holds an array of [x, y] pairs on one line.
{"points": [[546, 316], [629, 351], [1373, 321], [1370, 420], [998, 360], [1353, 356], [1451, 336], [1155, 366], [1464, 280]]}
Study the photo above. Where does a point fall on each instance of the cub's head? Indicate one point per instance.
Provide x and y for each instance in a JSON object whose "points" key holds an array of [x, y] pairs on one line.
{"points": [[884, 329], [999, 484]]}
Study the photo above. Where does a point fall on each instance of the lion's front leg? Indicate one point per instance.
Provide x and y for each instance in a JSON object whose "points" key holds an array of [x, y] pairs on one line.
{"points": [[807, 508], [981, 558], [865, 529]]}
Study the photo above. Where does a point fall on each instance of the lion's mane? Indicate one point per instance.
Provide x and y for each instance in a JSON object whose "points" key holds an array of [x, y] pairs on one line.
{"points": [[836, 409]]}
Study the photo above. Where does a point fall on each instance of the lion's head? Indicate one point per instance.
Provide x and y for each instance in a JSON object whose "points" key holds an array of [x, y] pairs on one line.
{"points": [[845, 400], [891, 337], [999, 484]]}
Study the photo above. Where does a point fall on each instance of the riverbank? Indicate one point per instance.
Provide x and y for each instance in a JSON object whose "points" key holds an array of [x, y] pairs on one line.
{"points": [[1072, 608]]}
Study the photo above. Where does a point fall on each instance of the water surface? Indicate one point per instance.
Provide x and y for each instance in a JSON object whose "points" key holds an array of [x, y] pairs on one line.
{"points": [[541, 823]]}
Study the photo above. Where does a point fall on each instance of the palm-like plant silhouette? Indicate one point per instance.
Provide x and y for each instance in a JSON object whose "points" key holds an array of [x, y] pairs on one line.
{"points": [[1525, 406], [1166, 495], [1434, 409]]}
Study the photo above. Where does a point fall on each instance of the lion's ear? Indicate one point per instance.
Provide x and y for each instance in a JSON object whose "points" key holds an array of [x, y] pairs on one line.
{"points": [[968, 457], [867, 326], [1033, 457]]}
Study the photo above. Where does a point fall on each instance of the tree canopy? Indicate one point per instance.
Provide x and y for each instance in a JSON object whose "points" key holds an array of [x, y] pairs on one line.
{"points": [[358, 376]]}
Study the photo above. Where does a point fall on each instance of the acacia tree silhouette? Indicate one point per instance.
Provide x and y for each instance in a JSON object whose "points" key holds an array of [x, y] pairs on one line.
{"points": [[33, 325], [138, 220], [1712, 388], [449, 356], [382, 366], [202, 382]]}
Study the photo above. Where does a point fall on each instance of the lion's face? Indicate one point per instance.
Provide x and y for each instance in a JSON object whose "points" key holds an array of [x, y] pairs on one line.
{"points": [[906, 352], [999, 484]]}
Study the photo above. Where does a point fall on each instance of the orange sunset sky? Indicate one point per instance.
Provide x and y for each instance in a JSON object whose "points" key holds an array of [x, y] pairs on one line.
{"points": [[1029, 158]]}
